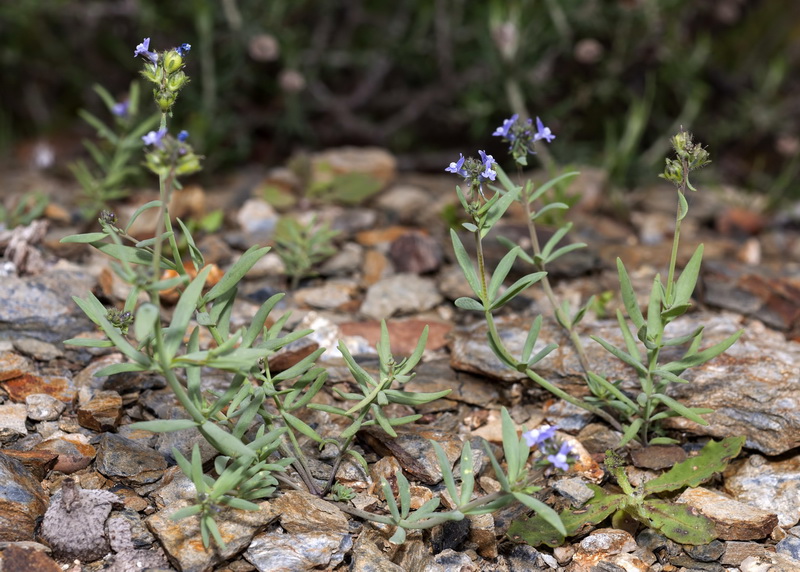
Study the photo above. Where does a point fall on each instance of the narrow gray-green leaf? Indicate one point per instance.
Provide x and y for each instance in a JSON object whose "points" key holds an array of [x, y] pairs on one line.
{"points": [[140, 210], [466, 264], [187, 304], [86, 238], [698, 358], [624, 356], [164, 425], [679, 408], [522, 284], [224, 442], [300, 426], [469, 304], [684, 287], [530, 340], [502, 270], [236, 272], [654, 322], [629, 296], [145, 323]]}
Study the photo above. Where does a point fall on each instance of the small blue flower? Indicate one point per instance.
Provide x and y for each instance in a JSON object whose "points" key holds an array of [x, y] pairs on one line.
{"points": [[457, 167], [488, 163], [536, 437], [183, 135], [503, 130], [560, 460], [183, 49], [155, 138], [120, 109], [543, 132], [142, 50]]}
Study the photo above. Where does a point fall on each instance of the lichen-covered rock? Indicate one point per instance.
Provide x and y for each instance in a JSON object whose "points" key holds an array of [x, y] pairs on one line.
{"points": [[74, 524]]}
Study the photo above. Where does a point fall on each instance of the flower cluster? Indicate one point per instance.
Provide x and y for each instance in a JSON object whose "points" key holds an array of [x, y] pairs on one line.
{"points": [[120, 319], [522, 136], [474, 171], [553, 452], [165, 70], [691, 156], [170, 153]]}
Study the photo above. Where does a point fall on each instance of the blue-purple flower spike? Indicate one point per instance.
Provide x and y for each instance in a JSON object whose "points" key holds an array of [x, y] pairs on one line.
{"points": [[142, 50], [154, 138], [543, 132], [560, 460], [183, 135], [537, 436], [503, 130], [488, 163], [120, 109], [457, 167], [183, 49]]}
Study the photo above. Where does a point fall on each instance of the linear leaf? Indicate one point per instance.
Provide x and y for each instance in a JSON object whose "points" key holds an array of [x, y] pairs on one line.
{"points": [[469, 304], [501, 272], [698, 358], [624, 356], [629, 296], [224, 442], [184, 310], [466, 264], [164, 425], [236, 272], [684, 287]]}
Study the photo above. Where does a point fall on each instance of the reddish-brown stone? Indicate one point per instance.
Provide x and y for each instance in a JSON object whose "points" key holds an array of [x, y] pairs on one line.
{"points": [[27, 384]]}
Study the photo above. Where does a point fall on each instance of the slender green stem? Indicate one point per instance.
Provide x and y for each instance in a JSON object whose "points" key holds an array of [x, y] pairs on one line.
{"points": [[510, 360], [673, 260], [561, 316]]}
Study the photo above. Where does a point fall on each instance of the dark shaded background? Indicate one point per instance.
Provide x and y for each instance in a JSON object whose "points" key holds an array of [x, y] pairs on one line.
{"points": [[427, 78]]}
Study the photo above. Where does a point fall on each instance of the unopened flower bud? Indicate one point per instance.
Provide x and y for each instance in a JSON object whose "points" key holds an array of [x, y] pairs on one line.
{"points": [[165, 100], [682, 142], [173, 61], [176, 81]]}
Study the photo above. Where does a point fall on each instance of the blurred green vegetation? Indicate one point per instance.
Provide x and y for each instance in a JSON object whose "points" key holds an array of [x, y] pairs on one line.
{"points": [[613, 78]]}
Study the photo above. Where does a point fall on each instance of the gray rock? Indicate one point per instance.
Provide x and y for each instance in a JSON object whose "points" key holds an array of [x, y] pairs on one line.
{"points": [[770, 485], [330, 296], [404, 202], [37, 349], [790, 546], [758, 398], [43, 407], [367, 557], [415, 252], [302, 512], [413, 450], [345, 262], [182, 541], [732, 520], [710, 552], [574, 490], [41, 306], [258, 218], [297, 552], [175, 487], [22, 501], [12, 422], [128, 558], [452, 561], [122, 459], [400, 294], [769, 562]]}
